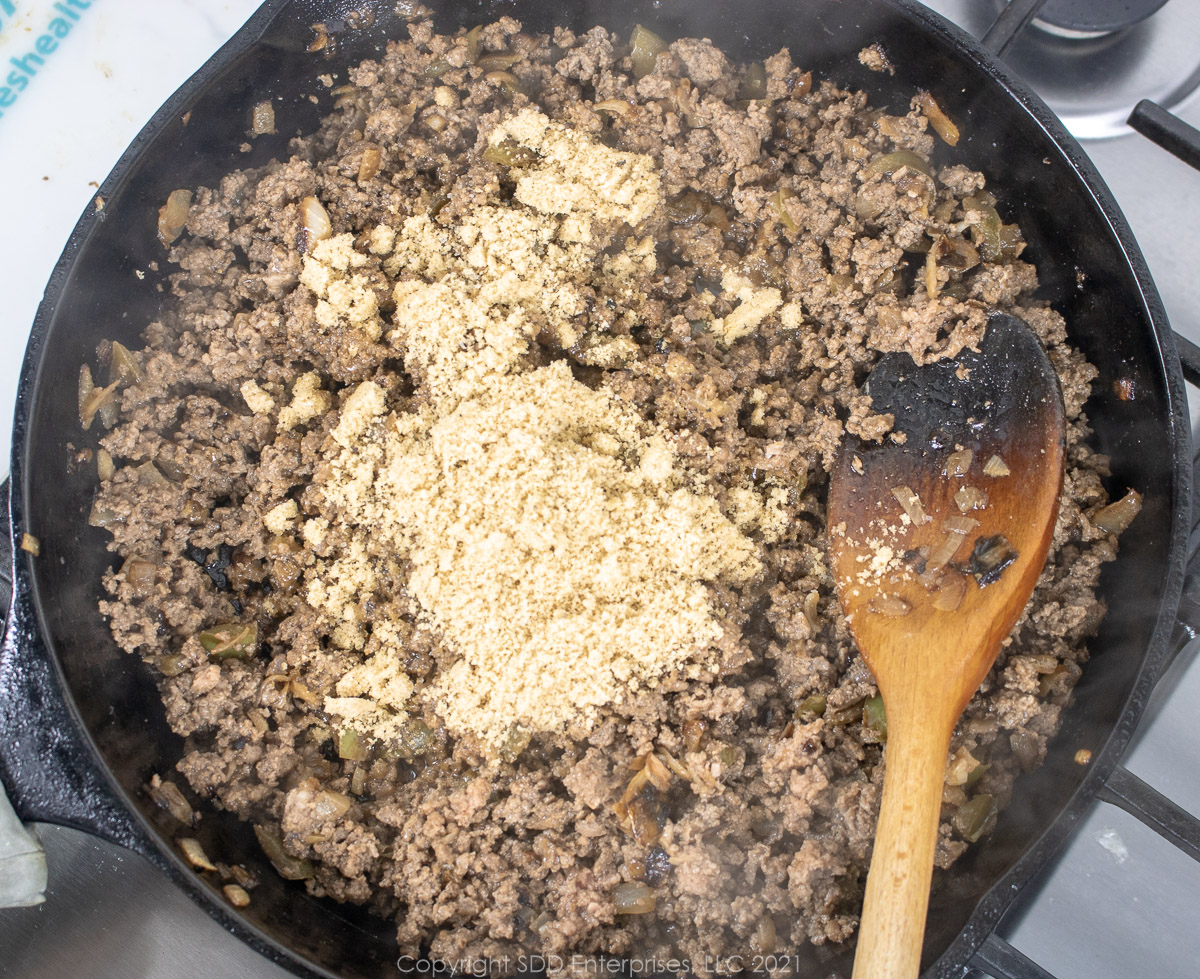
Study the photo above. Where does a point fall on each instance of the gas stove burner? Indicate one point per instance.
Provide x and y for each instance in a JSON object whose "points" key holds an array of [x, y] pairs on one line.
{"points": [[1093, 18], [1094, 60]]}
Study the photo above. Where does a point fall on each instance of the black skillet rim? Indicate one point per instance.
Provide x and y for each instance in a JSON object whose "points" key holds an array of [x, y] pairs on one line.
{"points": [[1000, 897]]}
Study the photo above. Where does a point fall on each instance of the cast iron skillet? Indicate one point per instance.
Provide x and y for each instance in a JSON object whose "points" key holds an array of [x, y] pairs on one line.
{"points": [[81, 725]]}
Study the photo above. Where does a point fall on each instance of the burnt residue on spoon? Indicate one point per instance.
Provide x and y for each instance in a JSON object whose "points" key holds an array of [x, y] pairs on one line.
{"points": [[950, 485], [976, 397]]}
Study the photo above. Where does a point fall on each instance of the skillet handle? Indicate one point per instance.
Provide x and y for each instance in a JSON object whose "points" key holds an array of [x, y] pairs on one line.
{"points": [[47, 768]]}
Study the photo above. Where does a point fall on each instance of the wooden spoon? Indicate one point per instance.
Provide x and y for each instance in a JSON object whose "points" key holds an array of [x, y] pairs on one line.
{"points": [[929, 591]]}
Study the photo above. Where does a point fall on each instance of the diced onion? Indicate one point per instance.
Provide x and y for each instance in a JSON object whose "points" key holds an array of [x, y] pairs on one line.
{"points": [[960, 766], [86, 387], [289, 867], [140, 576], [646, 47], [634, 897], [92, 399], [172, 470], [195, 854], [956, 529], [959, 463], [937, 118], [262, 121], [995, 467], [369, 163], [911, 503], [889, 163], [949, 594], [616, 107], [166, 795], [675, 765], [107, 412], [970, 498], [762, 941], [301, 692], [315, 219], [331, 805], [236, 895], [657, 773], [173, 215], [1115, 517], [505, 79], [497, 60], [149, 475], [960, 525], [322, 38], [124, 366], [956, 253], [101, 516], [694, 729], [891, 606]]}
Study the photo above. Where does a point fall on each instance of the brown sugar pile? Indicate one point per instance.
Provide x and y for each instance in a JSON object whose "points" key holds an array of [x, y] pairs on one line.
{"points": [[555, 542]]}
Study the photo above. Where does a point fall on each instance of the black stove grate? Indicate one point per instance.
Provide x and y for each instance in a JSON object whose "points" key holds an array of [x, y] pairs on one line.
{"points": [[1168, 131]]}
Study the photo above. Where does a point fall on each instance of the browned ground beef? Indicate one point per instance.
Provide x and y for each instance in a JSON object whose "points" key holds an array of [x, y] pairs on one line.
{"points": [[773, 832]]}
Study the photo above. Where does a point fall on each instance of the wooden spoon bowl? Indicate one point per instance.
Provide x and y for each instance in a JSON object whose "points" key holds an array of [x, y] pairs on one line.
{"points": [[937, 537]]}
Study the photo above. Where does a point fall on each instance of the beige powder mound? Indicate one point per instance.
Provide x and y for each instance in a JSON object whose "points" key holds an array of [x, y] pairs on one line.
{"points": [[575, 174], [555, 544], [754, 305], [555, 541], [490, 275], [343, 296], [468, 296]]}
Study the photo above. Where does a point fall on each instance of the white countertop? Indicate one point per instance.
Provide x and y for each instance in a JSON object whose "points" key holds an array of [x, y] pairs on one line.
{"points": [[1119, 903], [92, 93]]}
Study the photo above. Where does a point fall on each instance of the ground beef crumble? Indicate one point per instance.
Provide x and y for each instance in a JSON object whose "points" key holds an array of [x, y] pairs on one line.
{"points": [[763, 820]]}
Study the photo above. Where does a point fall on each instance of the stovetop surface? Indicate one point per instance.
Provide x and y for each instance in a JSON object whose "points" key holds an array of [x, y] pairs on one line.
{"points": [[1119, 902]]}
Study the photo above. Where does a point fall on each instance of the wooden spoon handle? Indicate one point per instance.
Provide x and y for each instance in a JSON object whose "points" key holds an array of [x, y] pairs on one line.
{"points": [[897, 898]]}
